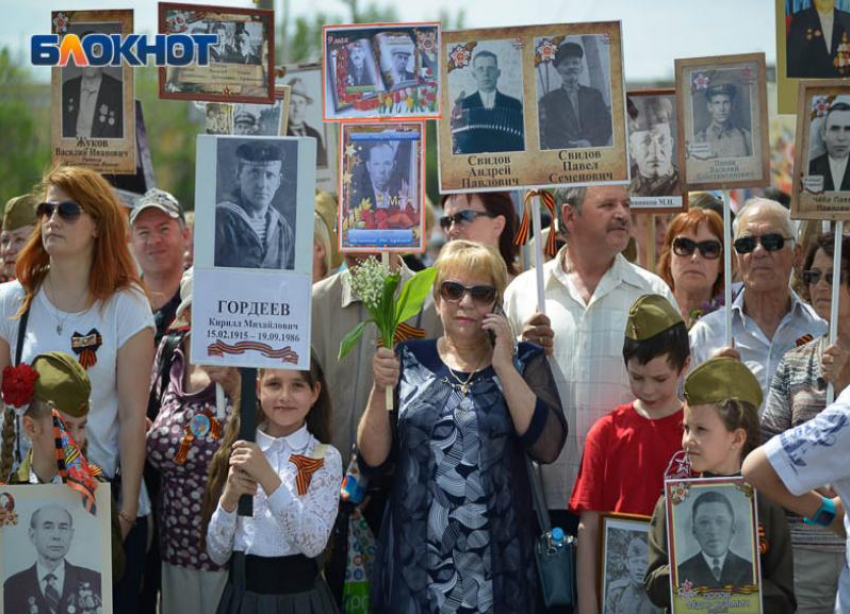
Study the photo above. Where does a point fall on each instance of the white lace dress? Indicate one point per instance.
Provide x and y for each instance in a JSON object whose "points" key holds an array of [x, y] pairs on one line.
{"points": [[284, 524]]}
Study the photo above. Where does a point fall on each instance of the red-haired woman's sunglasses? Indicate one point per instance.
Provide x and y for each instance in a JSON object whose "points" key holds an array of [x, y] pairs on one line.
{"points": [[69, 211]]}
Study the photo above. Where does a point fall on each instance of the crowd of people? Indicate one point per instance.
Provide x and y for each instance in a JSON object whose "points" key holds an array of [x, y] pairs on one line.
{"points": [[620, 372]]}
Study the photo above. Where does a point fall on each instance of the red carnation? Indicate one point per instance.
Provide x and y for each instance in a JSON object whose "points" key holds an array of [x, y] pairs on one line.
{"points": [[18, 385]]}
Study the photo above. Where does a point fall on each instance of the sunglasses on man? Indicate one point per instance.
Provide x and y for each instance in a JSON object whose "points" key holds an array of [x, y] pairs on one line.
{"points": [[462, 218], [771, 242], [710, 250], [453, 291], [69, 211]]}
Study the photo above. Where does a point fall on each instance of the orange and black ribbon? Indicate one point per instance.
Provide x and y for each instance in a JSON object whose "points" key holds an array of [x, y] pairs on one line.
{"points": [[306, 468], [525, 224], [72, 465], [86, 346]]}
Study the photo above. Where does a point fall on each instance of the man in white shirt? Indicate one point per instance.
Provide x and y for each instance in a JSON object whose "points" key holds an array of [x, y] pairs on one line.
{"points": [[832, 165], [589, 287], [768, 318]]}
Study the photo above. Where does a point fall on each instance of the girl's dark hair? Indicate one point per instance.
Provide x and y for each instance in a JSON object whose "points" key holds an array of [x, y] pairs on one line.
{"points": [[742, 415], [318, 423], [673, 342], [826, 242], [37, 410], [499, 203]]}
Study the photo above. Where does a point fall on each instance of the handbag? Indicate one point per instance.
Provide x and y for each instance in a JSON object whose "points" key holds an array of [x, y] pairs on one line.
{"points": [[556, 558]]}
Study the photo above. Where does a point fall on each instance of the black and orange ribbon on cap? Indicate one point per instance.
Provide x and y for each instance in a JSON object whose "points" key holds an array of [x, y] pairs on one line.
{"points": [[525, 224]]}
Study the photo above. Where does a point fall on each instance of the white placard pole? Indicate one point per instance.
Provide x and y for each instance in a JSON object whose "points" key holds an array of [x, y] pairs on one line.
{"points": [[220, 403], [727, 265], [836, 286], [385, 260], [538, 250]]}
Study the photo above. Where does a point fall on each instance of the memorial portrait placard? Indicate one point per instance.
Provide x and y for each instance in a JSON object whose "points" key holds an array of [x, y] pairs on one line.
{"points": [[43, 527], [622, 564], [93, 120], [241, 63], [248, 118], [532, 106], [381, 71], [713, 542], [723, 128], [652, 121], [821, 174], [305, 119], [381, 187]]}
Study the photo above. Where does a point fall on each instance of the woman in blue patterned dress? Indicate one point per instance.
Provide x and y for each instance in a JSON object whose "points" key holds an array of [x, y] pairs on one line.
{"points": [[458, 532]]}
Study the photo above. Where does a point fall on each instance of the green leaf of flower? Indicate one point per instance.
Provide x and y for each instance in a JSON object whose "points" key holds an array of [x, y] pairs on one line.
{"points": [[351, 339], [413, 294]]}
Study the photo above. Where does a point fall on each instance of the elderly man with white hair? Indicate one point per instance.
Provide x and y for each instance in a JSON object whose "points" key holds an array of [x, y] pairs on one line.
{"points": [[768, 318]]}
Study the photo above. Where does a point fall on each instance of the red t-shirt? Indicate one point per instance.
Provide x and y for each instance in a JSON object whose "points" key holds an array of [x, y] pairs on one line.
{"points": [[625, 457]]}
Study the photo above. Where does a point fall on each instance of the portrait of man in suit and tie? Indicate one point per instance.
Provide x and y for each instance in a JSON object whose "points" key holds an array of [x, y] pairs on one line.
{"points": [[92, 101], [832, 165], [573, 116], [715, 565], [52, 585], [487, 120], [816, 37]]}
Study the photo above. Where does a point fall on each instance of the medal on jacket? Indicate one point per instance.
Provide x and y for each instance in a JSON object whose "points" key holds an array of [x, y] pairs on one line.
{"points": [[203, 424], [86, 346], [33, 606]]}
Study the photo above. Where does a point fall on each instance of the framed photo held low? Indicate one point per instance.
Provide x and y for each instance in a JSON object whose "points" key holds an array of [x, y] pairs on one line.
{"points": [[249, 119], [381, 187], [821, 173], [723, 127], [93, 122], [652, 121], [241, 66], [712, 532], [622, 565], [381, 71]]}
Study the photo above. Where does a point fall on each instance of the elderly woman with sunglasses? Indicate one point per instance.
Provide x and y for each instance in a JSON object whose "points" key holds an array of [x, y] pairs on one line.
{"points": [[78, 292], [470, 406], [797, 394], [690, 262]]}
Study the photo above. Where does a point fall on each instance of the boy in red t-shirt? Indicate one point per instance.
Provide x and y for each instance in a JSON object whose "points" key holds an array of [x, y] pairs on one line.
{"points": [[628, 450]]}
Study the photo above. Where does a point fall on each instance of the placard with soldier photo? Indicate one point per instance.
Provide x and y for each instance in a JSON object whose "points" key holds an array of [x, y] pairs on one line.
{"points": [[622, 564], [821, 170], [656, 185], [241, 62], [532, 106], [249, 119], [714, 548], [55, 551], [382, 188], [381, 71], [305, 119], [93, 120], [723, 134]]}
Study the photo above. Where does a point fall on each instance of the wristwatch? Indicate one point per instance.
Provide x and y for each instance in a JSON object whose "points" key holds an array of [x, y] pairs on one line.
{"points": [[825, 514]]}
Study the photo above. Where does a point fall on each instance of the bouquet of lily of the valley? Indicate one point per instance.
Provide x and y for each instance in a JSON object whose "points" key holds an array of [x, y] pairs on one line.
{"points": [[375, 285]]}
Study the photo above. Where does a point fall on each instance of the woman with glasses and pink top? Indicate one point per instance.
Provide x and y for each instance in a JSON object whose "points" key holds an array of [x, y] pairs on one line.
{"points": [[458, 531]]}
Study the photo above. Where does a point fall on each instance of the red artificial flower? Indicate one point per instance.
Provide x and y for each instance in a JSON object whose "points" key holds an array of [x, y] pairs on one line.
{"points": [[18, 385]]}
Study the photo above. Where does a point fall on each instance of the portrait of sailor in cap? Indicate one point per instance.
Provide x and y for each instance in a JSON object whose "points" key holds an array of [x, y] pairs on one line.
{"points": [[573, 116], [652, 127], [727, 140], [300, 102], [249, 230]]}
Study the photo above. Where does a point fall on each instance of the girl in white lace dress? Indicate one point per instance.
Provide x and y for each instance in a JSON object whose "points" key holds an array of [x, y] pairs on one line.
{"points": [[294, 477]]}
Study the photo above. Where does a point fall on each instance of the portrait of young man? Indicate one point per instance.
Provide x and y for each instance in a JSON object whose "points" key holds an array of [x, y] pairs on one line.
{"points": [[726, 138]]}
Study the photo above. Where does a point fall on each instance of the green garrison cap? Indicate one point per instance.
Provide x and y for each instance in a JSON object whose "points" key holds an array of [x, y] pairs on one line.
{"points": [[650, 315], [722, 379], [62, 381], [20, 212]]}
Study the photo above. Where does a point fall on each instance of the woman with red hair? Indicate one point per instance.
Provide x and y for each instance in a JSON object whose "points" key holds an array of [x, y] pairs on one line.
{"points": [[77, 291], [690, 262]]}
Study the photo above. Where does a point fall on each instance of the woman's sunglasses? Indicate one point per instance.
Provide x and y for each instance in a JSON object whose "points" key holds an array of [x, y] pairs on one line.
{"points": [[462, 218], [710, 250], [69, 211], [813, 276], [771, 242], [453, 292]]}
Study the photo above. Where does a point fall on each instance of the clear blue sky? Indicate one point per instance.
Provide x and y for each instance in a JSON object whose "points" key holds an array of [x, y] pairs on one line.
{"points": [[655, 31]]}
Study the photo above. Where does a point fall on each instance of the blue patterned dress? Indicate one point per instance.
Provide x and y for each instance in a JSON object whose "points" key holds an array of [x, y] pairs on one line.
{"points": [[458, 532]]}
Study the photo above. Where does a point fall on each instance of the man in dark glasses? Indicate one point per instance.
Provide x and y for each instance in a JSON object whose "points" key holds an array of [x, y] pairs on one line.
{"points": [[589, 288], [768, 318]]}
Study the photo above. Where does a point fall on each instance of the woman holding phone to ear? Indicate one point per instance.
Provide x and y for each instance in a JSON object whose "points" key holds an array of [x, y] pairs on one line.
{"points": [[78, 292], [459, 522]]}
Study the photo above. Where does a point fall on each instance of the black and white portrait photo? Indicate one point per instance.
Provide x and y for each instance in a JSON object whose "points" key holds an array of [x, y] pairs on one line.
{"points": [[218, 118], [652, 144], [723, 119], [255, 216], [818, 38], [305, 110], [360, 73], [486, 98], [92, 97], [829, 146], [574, 93], [258, 119], [397, 59], [624, 562]]}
